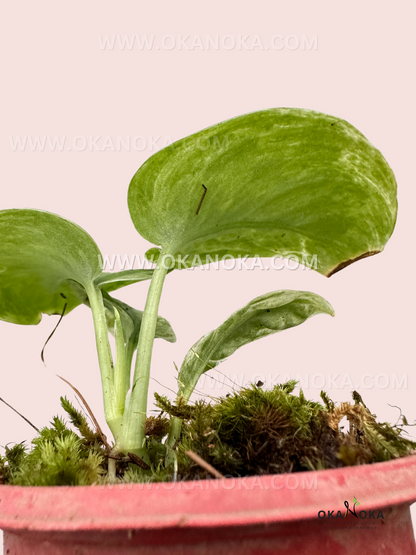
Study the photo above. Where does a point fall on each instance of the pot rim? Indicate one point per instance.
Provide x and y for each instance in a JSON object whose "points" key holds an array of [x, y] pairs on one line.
{"points": [[277, 498]]}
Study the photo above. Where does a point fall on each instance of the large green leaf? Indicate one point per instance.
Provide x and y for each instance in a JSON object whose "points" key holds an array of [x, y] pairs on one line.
{"points": [[279, 182], [47, 262], [41, 257], [263, 316]]}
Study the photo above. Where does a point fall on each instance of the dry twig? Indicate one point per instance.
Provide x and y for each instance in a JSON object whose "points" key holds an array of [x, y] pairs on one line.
{"points": [[203, 464]]}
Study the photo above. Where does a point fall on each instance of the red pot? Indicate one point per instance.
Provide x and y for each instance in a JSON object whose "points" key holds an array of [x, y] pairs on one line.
{"points": [[302, 513]]}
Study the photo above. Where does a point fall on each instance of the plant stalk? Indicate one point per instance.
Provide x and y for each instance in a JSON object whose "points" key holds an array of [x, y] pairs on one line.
{"points": [[176, 423], [136, 412], [175, 431], [112, 469], [112, 414], [121, 373]]}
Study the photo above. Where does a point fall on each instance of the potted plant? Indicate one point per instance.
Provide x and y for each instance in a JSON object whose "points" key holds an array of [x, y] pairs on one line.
{"points": [[273, 183]]}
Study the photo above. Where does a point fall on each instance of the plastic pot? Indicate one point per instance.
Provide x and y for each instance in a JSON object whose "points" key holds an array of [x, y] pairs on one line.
{"points": [[303, 513]]}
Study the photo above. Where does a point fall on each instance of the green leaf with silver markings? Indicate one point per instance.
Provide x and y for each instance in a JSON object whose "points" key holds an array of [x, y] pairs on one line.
{"points": [[46, 262], [261, 317], [278, 182]]}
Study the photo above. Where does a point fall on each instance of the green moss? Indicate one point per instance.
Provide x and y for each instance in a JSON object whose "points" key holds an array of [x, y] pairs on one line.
{"points": [[262, 432], [62, 461], [78, 420], [58, 456], [250, 432], [180, 410], [11, 462], [258, 431]]}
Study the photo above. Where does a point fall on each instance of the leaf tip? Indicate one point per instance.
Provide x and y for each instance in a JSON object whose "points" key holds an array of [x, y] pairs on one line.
{"points": [[346, 263]]}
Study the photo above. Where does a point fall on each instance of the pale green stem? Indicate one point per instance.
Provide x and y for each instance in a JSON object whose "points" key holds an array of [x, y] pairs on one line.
{"points": [[175, 431], [130, 347], [130, 350], [121, 373], [112, 415], [176, 423], [112, 469], [136, 412]]}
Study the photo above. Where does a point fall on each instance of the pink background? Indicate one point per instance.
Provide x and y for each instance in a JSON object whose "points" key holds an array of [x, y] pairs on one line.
{"points": [[58, 81]]}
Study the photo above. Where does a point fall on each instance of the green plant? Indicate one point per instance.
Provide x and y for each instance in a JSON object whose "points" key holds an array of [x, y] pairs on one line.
{"points": [[272, 183]]}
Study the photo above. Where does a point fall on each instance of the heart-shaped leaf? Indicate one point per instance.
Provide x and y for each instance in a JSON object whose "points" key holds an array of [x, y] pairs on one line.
{"points": [[44, 259], [46, 262], [278, 182], [263, 316]]}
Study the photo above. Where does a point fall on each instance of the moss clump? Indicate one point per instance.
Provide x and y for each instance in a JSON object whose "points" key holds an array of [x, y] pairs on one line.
{"points": [[251, 432], [60, 462], [59, 456], [255, 432], [180, 410], [157, 427], [11, 462]]}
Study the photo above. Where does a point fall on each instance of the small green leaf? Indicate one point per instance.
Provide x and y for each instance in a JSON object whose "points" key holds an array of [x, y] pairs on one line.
{"points": [[45, 262], [152, 254], [263, 316], [278, 182], [131, 320]]}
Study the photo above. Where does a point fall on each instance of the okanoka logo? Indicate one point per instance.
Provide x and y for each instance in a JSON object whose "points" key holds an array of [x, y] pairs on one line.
{"points": [[347, 506], [351, 511]]}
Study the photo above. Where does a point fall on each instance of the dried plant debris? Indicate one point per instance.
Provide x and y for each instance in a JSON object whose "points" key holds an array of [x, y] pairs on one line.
{"points": [[250, 432]]}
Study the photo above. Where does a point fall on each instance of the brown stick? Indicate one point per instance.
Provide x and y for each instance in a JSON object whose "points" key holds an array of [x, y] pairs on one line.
{"points": [[119, 458], [202, 198], [137, 460], [97, 426], [203, 464], [54, 330], [132, 458], [21, 415]]}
